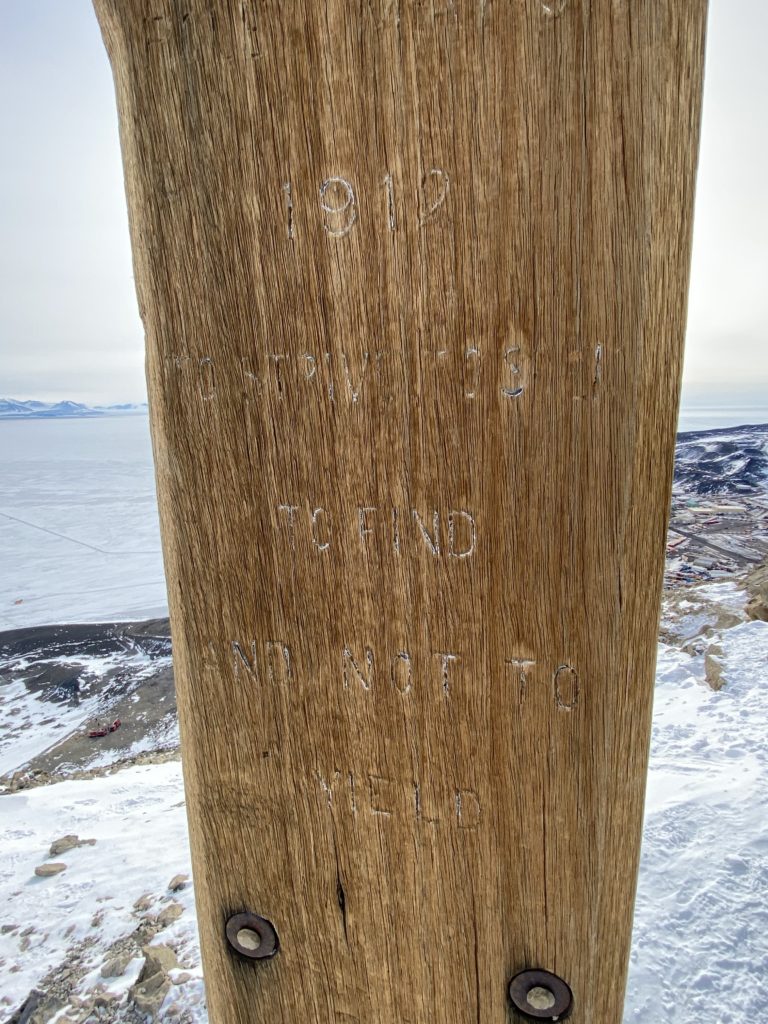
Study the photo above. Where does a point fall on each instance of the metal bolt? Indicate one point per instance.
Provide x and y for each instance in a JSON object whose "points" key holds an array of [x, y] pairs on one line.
{"points": [[540, 995], [252, 936]]}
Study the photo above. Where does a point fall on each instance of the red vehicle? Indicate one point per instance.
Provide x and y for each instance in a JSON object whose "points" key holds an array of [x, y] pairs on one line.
{"points": [[104, 730]]}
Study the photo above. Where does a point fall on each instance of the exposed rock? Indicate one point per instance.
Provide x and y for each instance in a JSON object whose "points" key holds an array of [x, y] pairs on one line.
{"points": [[38, 1008], [757, 608], [181, 979], [32, 778], [713, 670], [757, 589], [147, 995], [178, 882], [143, 903], [169, 914], [26, 1011], [59, 846], [116, 965], [158, 959], [66, 843], [52, 868], [103, 1000], [144, 932]]}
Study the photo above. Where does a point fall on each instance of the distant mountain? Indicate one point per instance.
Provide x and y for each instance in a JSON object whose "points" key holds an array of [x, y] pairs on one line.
{"points": [[11, 409], [729, 460]]}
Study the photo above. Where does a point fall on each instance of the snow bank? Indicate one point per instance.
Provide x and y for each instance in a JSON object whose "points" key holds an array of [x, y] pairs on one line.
{"points": [[700, 949]]}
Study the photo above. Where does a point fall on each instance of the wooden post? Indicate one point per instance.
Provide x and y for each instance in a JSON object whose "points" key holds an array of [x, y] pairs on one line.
{"points": [[413, 275]]}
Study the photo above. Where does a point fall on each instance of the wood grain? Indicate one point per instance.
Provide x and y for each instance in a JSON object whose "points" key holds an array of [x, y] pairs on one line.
{"points": [[413, 275]]}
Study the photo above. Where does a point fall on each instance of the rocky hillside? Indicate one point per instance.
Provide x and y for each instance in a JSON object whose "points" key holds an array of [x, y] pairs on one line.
{"points": [[730, 461], [97, 919]]}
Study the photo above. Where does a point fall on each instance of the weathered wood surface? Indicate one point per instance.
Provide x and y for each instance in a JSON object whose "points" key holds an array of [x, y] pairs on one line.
{"points": [[413, 276]]}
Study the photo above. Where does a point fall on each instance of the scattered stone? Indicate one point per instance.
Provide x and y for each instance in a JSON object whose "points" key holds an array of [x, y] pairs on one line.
{"points": [[181, 979], [69, 842], [29, 930], [52, 868], [143, 902], [757, 591], [169, 914], [158, 959], [6, 928], [32, 778], [713, 671], [153, 983], [144, 932], [116, 965], [25, 1012], [103, 999], [178, 882], [59, 846], [148, 995], [38, 1008]]}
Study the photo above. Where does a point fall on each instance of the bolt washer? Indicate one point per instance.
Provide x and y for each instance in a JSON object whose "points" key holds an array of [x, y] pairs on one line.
{"points": [[269, 943], [524, 982]]}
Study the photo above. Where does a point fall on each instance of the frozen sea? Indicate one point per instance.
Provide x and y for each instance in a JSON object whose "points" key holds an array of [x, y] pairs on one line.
{"points": [[713, 417], [79, 535]]}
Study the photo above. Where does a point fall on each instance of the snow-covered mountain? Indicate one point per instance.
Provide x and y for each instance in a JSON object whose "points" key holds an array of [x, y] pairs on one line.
{"points": [[731, 460], [13, 409]]}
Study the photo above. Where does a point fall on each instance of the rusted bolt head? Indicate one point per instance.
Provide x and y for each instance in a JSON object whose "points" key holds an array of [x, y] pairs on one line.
{"points": [[540, 995], [252, 936]]}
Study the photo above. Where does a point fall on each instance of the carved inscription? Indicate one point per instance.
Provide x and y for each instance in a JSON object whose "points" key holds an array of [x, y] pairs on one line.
{"points": [[241, 39], [350, 379], [371, 794], [434, 192], [553, 8], [521, 669], [270, 661], [339, 208], [359, 670], [450, 535], [566, 684], [362, 669], [337, 199]]}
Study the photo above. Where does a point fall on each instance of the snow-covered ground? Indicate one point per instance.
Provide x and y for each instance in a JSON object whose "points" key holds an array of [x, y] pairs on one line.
{"points": [[700, 946], [90, 552], [137, 818], [79, 536], [700, 949]]}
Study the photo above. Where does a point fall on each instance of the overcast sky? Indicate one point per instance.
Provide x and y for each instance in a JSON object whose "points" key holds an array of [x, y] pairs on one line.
{"points": [[68, 321]]}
